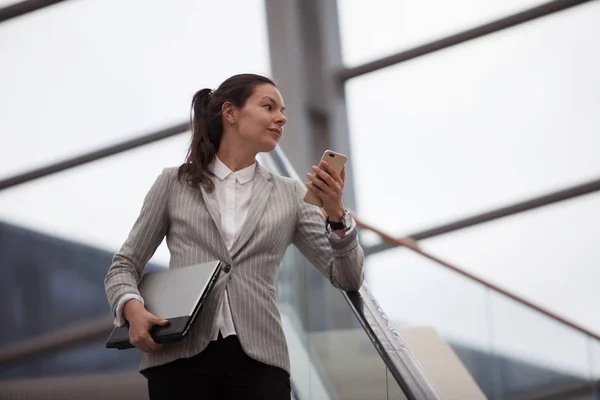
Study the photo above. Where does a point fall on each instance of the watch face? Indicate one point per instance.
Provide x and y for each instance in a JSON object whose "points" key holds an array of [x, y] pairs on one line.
{"points": [[347, 220]]}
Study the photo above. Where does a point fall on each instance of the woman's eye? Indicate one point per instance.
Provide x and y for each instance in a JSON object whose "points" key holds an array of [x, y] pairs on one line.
{"points": [[269, 107]]}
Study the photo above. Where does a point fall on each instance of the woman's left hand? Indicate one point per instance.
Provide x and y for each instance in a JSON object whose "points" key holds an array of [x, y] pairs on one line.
{"points": [[328, 185]]}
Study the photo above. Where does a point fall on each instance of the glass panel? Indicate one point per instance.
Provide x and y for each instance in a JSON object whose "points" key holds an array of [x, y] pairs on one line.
{"points": [[535, 355], [416, 292], [511, 351], [290, 290], [86, 74], [350, 364], [338, 360], [480, 125], [548, 255], [378, 28]]}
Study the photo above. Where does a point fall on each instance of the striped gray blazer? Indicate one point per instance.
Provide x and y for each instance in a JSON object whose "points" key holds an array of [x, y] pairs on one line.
{"points": [[190, 220]]}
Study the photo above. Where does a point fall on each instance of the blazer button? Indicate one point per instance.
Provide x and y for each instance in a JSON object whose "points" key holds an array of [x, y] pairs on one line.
{"points": [[227, 268]]}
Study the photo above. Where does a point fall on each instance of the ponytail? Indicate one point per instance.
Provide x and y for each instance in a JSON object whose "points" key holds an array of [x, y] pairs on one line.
{"points": [[207, 129], [206, 123]]}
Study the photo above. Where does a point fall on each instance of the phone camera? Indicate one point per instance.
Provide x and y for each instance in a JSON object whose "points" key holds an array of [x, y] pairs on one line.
{"points": [[331, 155]]}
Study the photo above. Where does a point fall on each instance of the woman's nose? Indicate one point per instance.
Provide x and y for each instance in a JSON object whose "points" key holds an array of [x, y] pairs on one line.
{"points": [[282, 120]]}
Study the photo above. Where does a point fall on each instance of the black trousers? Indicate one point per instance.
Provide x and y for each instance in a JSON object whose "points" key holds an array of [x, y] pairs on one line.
{"points": [[221, 371]]}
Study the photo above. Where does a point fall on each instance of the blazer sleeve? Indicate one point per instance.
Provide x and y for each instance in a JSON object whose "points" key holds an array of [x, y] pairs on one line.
{"points": [[146, 235], [339, 260]]}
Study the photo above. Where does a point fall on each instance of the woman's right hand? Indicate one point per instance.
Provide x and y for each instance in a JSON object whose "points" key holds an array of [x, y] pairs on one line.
{"points": [[141, 322]]}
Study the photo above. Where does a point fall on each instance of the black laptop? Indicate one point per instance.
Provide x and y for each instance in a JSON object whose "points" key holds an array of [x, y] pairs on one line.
{"points": [[177, 295]]}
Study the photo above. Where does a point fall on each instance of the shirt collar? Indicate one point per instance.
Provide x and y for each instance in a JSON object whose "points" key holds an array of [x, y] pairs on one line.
{"points": [[222, 171]]}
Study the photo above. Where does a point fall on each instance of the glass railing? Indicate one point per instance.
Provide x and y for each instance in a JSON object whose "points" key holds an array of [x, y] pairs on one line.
{"points": [[511, 350], [332, 355]]}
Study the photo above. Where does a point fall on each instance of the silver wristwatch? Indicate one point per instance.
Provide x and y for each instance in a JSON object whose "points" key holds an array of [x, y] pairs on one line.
{"points": [[345, 223]]}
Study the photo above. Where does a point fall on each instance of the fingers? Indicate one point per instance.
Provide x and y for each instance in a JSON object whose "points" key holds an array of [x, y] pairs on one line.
{"points": [[331, 172], [319, 186], [326, 179], [159, 321], [325, 169], [315, 190], [140, 336], [144, 342]]}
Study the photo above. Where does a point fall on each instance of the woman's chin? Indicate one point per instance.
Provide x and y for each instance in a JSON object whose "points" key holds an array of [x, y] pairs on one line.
{"points": [[268, 146]]}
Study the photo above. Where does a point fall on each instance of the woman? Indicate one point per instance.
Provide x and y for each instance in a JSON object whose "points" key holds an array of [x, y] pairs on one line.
{"points": [[221, 204]]}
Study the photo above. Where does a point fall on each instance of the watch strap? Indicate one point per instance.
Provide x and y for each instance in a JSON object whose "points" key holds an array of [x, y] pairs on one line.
{"points": [[336, 226]]}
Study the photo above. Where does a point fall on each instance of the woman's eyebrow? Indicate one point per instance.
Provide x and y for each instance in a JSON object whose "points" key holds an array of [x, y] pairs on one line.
{"points": [[273, 100]]}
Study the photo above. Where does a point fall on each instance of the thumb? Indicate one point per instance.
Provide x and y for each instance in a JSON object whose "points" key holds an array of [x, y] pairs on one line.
{"points": [[160, 321]]}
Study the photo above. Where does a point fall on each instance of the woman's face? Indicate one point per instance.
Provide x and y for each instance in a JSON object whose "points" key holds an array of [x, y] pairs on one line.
{"points": [[259, 124]]}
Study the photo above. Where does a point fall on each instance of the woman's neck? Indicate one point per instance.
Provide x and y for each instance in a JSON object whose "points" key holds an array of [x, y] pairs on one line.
{"points": [[235, 158]]}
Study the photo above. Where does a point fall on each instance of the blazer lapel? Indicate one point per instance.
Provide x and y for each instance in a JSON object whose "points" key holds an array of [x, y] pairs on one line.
{"points": [[261, 192], [210, 200]]}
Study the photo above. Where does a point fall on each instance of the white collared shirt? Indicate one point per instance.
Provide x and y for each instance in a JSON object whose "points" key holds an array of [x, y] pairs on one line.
{"points": [[233, 191]]}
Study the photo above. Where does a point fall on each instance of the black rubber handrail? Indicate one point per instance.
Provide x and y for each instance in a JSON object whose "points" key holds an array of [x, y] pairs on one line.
{"points": [[24, 7]]}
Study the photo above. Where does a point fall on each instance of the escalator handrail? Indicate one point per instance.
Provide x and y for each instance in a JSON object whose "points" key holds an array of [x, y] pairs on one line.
{"points": [[401, 363], [412, 246]]}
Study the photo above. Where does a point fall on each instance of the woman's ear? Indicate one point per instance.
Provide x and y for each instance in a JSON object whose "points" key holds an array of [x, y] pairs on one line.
{"points": [[229, 112]]}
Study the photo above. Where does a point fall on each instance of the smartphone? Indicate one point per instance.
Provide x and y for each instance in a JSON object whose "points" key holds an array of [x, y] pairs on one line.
{"points": [[337, 161]]}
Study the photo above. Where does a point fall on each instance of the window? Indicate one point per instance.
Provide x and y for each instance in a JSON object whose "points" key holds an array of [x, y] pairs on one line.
{"points": [[81, 75], [478, 126]]}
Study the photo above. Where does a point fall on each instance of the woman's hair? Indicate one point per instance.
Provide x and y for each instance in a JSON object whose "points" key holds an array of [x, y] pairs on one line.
{"points": [[206, 120]]}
